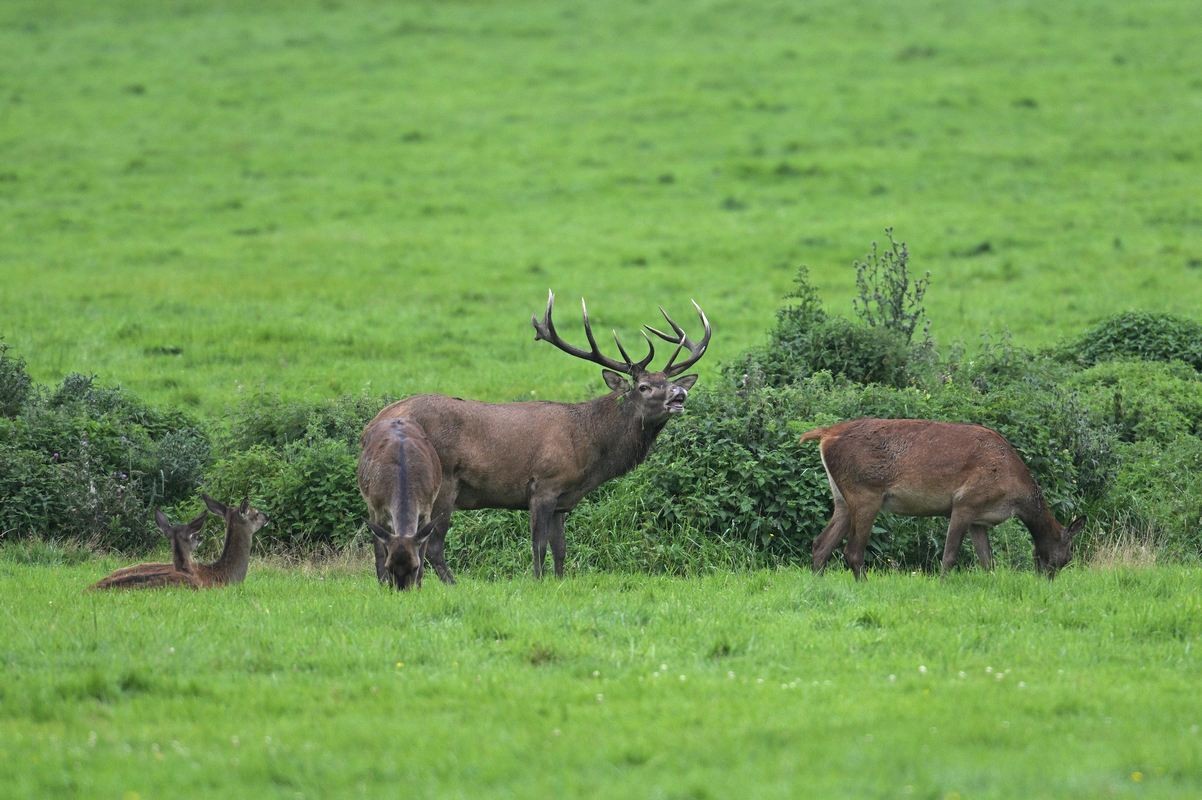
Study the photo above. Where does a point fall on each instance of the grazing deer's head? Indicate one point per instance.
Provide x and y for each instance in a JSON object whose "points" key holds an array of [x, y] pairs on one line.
{"points": [[655, 395], [184, 538], [403, 556], [1054, 551]]}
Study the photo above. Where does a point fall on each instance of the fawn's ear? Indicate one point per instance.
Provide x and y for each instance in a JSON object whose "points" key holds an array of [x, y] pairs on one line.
{"points": [[1075, 527], [382, 533], [161, 520], [195, 525], [615, 380], [217, 508]]}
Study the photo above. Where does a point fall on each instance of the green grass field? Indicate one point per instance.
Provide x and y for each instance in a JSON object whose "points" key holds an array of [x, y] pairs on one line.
{"points": [[202, 200], [206, 200], [318, 683]]}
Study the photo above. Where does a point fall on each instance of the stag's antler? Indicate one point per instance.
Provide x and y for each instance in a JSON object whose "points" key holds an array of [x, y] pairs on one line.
{"points": [[546, 330], [681, 340]]}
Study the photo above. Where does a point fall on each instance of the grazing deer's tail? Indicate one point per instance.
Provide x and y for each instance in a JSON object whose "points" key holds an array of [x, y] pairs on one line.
{"points": [[811, 435]]}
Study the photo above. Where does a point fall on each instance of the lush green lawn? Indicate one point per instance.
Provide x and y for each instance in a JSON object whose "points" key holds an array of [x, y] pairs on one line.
{"points": [[202, 200], [318, 683]]}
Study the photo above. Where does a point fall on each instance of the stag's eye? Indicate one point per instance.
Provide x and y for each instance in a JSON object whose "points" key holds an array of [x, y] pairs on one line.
{"points": [[645, 388]]}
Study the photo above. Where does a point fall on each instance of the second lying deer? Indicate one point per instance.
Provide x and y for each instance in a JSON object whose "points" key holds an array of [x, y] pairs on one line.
{"points": [[241, 523]]}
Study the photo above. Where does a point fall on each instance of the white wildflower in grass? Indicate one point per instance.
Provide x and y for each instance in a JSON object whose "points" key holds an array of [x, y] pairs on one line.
{"points": [[730, 674], [600, 697], [962, 674], [892, 678], [683, 678], [922, 669], [988, 669], [596, 673], [1022, 684]]}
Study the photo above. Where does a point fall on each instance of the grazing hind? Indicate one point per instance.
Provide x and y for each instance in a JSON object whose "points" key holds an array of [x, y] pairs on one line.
{"points": [[923, 468], [181, 572], [399, 477]]}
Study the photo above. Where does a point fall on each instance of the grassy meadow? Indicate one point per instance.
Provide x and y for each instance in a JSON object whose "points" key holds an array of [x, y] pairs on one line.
{"points": [[207, 201], [317, 683], [203, 200]]}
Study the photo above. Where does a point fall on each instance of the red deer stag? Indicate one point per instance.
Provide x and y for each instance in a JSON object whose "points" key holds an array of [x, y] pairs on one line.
{"points": [[399, 477], [545, 456], [921, 468], [181, 572]]}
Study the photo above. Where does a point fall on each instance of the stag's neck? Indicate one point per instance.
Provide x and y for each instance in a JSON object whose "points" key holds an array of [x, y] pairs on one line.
{"points": [[235, 557], [628, 438]]}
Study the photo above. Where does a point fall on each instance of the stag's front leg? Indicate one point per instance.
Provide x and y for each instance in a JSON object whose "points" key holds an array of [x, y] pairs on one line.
{"points": [[980, 543], [956, 528], [542, 515], [559, 548]]}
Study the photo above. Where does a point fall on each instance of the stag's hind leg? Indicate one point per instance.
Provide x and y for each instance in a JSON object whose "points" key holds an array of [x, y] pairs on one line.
{"points": [[957, 526], [542, 523], [559, 548]]}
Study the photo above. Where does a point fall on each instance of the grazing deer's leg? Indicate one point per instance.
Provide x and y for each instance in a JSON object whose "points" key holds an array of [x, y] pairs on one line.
{"points": [[831, 535], [980, 543], [956, 528], [558, 547], [863, 513], [444, 504]]}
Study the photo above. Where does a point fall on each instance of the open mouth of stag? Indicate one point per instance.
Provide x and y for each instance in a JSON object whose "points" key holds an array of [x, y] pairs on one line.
{"points": [[675, 406]]}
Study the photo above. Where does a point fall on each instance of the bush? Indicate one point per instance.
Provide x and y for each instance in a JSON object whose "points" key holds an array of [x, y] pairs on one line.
{"points": [[1158, 492], [1144, 400], [89, 463], [278, 423], [1142, 335], [15, 384]]}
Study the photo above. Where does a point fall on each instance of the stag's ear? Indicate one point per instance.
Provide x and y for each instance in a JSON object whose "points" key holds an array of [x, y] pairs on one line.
{"points": [[685, 381], [615, 380], [1075, 527], [161, 520], [382, 533], [214, 506]]}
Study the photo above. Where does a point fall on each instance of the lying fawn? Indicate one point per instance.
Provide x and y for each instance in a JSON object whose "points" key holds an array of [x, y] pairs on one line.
{"points": [[181, 572], [922, 468]]}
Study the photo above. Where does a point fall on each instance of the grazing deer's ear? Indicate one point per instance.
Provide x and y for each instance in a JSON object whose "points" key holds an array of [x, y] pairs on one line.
{"points": [[214, 506], [423, 535], [1075, 527], [242, 509], [382, 533], [614, 380], [685, 381], [161, 520]]}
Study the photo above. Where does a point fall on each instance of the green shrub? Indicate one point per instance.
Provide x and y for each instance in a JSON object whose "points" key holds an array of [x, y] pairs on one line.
{"points": [[278, 423], [1158, 492], [1144, 400], [1142, 335], [15, 384]]}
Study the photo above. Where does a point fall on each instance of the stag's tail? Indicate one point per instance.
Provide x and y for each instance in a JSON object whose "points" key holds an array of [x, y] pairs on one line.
{"points": [[811, 435]]}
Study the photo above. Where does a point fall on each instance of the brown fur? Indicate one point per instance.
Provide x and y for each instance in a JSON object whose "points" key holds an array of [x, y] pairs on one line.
{"points": [[399, 477], [240, 526], [545, 456], [181, 572], [921, 468]]}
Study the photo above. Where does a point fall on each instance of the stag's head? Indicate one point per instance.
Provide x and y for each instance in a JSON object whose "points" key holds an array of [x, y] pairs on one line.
{"points": [[1054, 552], [401, 557], [655, 395]]}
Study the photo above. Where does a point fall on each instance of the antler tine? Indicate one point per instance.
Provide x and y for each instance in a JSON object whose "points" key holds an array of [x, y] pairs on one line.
{"points": [[546, 330], [681, 340], [639, 366]]}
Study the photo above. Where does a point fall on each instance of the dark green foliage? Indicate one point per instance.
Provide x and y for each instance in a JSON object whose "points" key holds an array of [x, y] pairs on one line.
{"points": [[1142, 335], [15, 384], [889, 297], [1158, 493], [90, 463], [275, 422], [1144, 400]]}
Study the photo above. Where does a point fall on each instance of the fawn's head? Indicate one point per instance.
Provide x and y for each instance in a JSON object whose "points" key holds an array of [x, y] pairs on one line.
{"points": [[184, 538], [243, 518], [402, 557]]}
